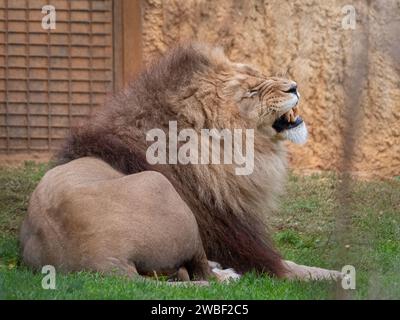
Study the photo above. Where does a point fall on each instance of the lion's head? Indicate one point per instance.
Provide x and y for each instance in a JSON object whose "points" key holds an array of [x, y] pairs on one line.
{"points": [[228, 92]]}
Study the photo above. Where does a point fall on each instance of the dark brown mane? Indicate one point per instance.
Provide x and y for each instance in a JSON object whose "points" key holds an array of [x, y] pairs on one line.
{"points": [[232, 231]]}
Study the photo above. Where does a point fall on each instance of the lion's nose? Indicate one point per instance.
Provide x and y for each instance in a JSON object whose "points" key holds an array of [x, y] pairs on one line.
{"points": [[292, 89]]}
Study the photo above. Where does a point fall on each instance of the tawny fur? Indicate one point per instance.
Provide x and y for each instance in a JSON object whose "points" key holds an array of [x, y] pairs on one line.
{"points": [[85, 215], [198, 87]]}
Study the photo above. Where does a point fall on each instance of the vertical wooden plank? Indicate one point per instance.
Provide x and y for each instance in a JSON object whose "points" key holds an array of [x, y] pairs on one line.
{"points": [[132, 38], [118, 64], [6, 72], [127, 41], [28, 94]]}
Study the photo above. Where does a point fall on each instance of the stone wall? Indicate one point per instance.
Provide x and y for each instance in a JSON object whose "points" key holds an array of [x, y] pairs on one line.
{"points": [[305, 40]]}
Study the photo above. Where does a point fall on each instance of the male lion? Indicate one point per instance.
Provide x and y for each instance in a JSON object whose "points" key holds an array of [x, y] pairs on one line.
{"points": [[199, 87]]}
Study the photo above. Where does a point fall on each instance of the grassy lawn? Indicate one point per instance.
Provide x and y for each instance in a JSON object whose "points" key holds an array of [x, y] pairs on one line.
{"points": [[305, 231]]}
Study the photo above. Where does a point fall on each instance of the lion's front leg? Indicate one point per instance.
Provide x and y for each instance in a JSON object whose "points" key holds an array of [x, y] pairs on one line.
{"points": [[294, 271], [300, 272]]}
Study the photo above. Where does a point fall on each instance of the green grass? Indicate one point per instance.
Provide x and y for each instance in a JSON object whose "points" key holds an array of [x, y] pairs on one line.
{"points": [[305, 231]]}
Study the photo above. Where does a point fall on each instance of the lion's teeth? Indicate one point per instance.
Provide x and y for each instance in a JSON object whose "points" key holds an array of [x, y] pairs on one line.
{"points": [[291, 115], [296, 111]]}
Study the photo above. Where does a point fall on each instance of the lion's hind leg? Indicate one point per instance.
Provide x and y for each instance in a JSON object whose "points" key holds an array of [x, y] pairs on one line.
{"points": [[183, 274], [114, 266], [198, 267], [183, 279]]}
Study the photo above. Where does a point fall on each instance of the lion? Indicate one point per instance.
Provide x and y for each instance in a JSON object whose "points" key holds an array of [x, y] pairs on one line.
{"points": [[197, 86], [85, 215]]}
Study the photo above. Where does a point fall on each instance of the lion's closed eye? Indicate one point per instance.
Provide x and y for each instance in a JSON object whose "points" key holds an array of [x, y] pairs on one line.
{"points": [[251, 93]]}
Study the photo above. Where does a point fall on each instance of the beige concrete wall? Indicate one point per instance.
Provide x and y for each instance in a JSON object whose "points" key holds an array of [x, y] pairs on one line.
{"points": [[305, 40]]}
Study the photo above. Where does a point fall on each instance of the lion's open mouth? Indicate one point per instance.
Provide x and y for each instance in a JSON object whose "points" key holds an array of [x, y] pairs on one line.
{"points": [[288, 120], [291, 126]]}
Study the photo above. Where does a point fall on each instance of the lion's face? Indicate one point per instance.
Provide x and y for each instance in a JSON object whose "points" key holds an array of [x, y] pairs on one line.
{"points": [[264, 101], [260, 97]]}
